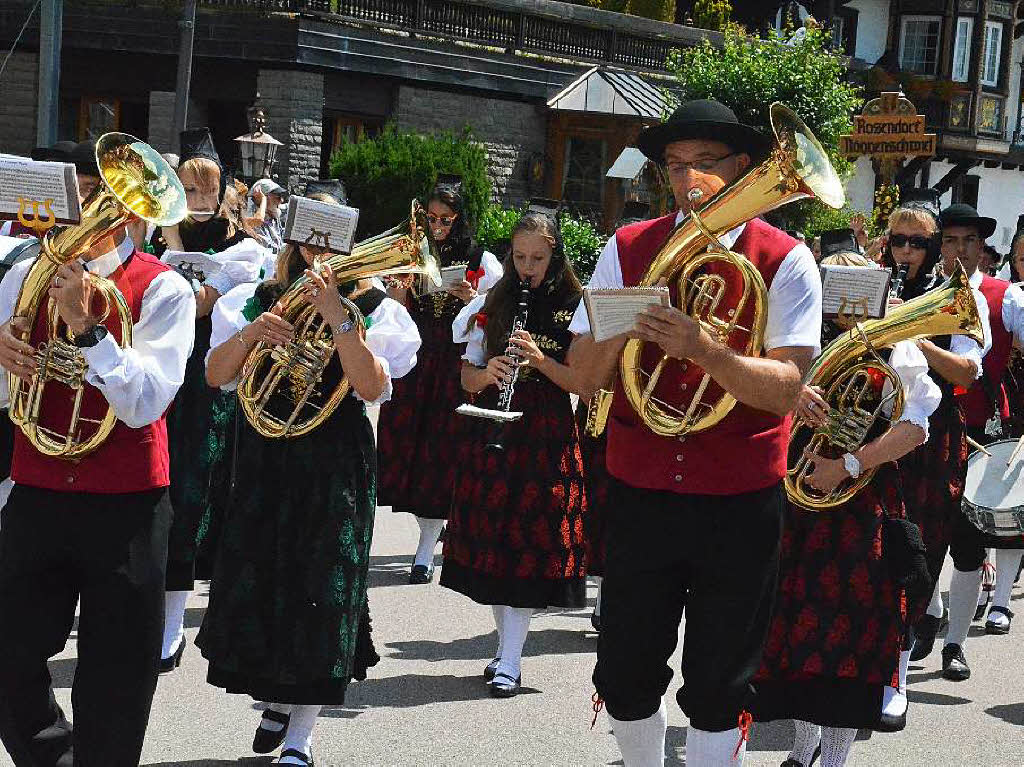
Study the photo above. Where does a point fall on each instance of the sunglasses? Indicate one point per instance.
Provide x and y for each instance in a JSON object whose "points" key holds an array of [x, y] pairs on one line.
{"points": [[917, 241], [443, 220]]}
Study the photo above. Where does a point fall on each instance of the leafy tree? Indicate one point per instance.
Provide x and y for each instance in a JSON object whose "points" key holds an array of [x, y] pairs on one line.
{"points": [[384, 173], [749, 73], [711, 14]]}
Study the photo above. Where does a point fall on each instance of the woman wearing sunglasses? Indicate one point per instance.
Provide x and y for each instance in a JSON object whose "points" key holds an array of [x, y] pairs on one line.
{"points": [[418, 430]]}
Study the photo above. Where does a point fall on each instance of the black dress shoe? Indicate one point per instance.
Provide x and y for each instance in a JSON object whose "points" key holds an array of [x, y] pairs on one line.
{"points": [[595, 621], [991, 627], [421, 574], [304, 758], [169, 664], [504, 686], [924, 636], [795, 763], [491, 669], [891, 722], [954, 664], [979, 611], [265, 741]]}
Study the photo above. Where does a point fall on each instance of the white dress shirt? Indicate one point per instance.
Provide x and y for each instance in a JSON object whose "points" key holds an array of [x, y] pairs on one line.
{"points": [[794, 297], [392, 336], [921, 395], [1012, 309], [968, 347], [140, 381], [466, 330]]}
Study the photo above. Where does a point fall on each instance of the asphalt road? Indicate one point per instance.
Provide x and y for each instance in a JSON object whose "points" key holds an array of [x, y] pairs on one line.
{"points": [[426, 704]]}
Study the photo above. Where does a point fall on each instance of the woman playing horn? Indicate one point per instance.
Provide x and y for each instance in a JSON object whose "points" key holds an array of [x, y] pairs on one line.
{"points": [[287, 621], [836, 644]]}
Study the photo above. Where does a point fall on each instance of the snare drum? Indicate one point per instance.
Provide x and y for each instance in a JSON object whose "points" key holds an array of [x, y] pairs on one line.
{"points": [[994, 491]]}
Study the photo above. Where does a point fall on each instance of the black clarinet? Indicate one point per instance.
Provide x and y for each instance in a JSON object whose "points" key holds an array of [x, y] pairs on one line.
{"points": [[896, 286], [508, 389]]}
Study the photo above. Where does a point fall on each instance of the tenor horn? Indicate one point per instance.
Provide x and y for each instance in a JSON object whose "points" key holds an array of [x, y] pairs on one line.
{"points": [[720, 289], [853, 376], [134, 181], [281, 390]]}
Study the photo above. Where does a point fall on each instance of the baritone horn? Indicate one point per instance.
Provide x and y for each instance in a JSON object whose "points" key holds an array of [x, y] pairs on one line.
{"points": [[853, 376], [719, 288], [282, 389], [135, 181]]}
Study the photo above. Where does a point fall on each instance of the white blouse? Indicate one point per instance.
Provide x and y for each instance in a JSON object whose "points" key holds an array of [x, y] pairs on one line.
{"points": [[921, 395], [493, 270], [392, 336], [473, 335]]}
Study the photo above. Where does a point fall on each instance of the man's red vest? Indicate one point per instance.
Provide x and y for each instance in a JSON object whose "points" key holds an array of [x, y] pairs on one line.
{"points": [[977, 404], [130, 460], [746, 451]]}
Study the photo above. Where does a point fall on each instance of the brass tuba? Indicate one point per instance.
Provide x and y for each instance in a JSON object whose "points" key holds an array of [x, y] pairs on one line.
{"points": [[281, 390], [721, 289], [852, 375], [135, 181]]}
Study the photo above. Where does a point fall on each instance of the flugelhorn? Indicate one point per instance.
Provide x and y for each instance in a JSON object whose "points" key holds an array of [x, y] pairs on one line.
{"points": [[720, 289], [281, 389], [853, 374], [135, 181]]}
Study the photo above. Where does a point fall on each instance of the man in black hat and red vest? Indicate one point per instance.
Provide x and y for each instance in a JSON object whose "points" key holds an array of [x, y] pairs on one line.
{"points": [[90, 531], [985, 408], [697, 520]]}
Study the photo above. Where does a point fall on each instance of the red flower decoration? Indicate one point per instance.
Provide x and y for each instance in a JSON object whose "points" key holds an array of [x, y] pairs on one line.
{"points": [[481, 319], [474, 277], [877, 378]]}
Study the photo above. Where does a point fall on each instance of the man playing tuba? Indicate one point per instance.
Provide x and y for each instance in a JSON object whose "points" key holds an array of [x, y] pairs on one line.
{"points": [[696, 520], [94, 528]]}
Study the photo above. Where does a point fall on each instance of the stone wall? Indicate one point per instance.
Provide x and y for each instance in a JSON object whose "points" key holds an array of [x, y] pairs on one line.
{"points": [[161, 118], [18, 97], [510, 131], [294, 105]]}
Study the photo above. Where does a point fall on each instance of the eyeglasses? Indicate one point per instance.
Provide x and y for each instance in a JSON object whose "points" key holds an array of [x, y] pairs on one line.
{"points": [[442, 220], [916, 241], [702, 166]]}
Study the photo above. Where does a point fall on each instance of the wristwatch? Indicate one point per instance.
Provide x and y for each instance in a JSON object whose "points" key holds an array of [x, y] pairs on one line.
{"points": [[90, 337], [343, 327], [852, 465]]}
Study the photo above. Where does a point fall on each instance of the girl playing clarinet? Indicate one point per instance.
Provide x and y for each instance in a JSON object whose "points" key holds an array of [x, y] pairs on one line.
{"points": [[515, 532]]}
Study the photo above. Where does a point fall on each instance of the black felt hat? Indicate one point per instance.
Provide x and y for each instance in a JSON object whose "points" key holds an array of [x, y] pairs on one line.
{"points": [[330, 186], [922, 198], [703, 119], [450, 182], [838, 241], [84, 157], [59, 152], [961, 214], [197, 142]]}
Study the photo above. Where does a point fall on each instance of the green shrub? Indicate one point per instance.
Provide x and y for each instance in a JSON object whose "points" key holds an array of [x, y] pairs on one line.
{"points": [[583, 243], [384, 173], [711, 14]]}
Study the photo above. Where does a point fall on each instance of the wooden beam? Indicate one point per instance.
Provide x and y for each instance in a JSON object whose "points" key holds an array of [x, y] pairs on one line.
{"points": [[955, 174], [907, 172]]}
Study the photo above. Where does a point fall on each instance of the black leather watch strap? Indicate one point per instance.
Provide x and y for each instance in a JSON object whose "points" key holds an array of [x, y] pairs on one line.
{"points": [[91, 337]]}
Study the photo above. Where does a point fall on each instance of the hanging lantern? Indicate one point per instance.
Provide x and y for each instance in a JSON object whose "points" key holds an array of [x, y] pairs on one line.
{"points": [[257, 149]]}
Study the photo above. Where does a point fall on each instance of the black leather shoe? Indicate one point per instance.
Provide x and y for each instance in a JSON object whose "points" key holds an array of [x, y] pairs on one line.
{"points": [[304, 758], [490, 669], [954, 664], [924, 636], [265, 741], [504, 686], [421, 574], [595, 621], [169, 664], [795, 763], [892, 723], [991, 627]]}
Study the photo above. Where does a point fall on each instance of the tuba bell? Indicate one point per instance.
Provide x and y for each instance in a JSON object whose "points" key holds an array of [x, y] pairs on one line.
{"points": [[720, 289], [281, 389], [134, 181], [853, 375]]}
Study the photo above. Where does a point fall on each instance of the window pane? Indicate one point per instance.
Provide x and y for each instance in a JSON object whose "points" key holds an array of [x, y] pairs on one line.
{"points": [[99, 117], [993, 51], [584, 174], [961, 53], [920, 45]]}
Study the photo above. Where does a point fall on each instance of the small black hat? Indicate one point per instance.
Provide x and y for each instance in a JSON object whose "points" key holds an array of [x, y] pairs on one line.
{"points": [[198, 142], [961, 214], [448, 182], [59, 152], [330, 186], [838, 241], [922, 198], [703, 119], [544, 205], [84, 158]]}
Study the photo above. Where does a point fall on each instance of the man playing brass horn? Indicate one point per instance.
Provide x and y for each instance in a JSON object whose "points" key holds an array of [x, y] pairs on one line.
{"points": [[695, 522]]}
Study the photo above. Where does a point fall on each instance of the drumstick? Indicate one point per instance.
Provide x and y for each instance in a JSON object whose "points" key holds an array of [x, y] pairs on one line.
{"points": [[1016, 451], [978, 446]]}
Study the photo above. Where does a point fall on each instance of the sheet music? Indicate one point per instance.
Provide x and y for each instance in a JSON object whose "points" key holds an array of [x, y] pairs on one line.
{"points": [[450, 277], [311, 221], [54, 183], [613, 311], [855, 291], [246, 252]]}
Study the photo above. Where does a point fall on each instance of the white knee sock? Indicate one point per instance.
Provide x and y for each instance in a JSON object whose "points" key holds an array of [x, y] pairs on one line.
{"points": [[806, 738], [835, 745], [935, 607], [269, 724], [963, 601], [1007, 562], [430, 531], [300, 731], [714, 749], [600, 580], [515, 625], [174, 621], [499, 620], [642, 743], [894, 701]]}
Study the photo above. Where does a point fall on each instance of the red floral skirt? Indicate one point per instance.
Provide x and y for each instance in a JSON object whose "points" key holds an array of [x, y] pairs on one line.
{"points": [[840, 616], [597, 480], [516, 532]]}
